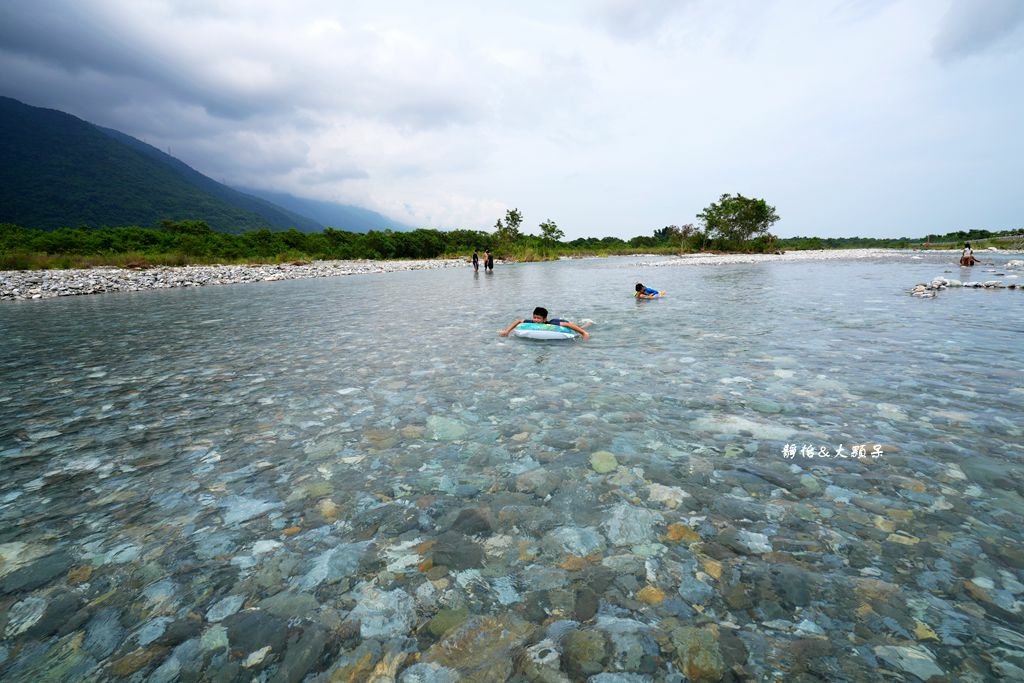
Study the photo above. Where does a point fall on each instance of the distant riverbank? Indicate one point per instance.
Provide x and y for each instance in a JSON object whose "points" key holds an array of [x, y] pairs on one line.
{"points": [[45, 284], [807, 255]]}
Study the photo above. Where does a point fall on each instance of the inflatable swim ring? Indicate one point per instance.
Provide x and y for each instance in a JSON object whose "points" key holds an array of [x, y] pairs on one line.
{"points": [[543, 331]]}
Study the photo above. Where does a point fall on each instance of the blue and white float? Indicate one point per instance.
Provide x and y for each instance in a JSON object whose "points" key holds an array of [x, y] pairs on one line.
{"points": [[543, 331]]}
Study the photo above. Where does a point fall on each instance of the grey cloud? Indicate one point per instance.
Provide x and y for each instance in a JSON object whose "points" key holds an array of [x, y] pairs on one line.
{"points": [[67, 36], [631, 20], [328, 176], [126, 64], [63, 35], [432, 113], [971, 27]]}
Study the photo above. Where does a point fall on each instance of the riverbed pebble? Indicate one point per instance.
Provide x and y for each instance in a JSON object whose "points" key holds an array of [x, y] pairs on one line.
{"points": [[348, 538]]}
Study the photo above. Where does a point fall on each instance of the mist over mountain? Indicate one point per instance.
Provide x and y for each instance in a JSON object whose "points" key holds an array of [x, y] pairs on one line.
{"points": [[331, 214], [276, 217]]}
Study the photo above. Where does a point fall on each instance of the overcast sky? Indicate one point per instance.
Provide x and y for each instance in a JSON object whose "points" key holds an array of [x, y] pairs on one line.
{"points": [[609, 117]]}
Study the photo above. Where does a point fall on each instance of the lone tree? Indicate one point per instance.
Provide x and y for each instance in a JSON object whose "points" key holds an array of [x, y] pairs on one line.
{"points": [[733, 220], [675, 235], [550, 232], [507, 233]]}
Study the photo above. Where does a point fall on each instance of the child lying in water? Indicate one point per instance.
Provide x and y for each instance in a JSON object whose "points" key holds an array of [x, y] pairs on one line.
{"points": [[540, 315], [646, 292]]}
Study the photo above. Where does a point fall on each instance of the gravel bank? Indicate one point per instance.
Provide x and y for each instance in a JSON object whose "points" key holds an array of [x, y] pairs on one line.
{"points": [[45, 284]]}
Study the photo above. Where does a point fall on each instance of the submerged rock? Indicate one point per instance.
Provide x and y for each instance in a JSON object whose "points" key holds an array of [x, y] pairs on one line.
{"points": [[457, 552], [383, 614], [912, 660], [603, 462], [697, 653], [445, 428], [481, 649], [585, 652], [628, 525]]}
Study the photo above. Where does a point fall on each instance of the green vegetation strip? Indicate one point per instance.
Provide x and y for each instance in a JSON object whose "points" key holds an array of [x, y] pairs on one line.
{"points": [[193, 242]]}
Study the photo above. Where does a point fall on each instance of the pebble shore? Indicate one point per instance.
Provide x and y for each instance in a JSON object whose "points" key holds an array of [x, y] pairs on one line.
{"points": [[45, 284]]}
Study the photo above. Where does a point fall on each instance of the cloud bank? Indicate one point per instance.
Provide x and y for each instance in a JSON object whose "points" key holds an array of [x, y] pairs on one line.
{"points": [[867, 118]]}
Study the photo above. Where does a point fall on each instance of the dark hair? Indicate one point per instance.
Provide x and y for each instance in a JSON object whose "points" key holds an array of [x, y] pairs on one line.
{"points": [[542, 312], [639, 287], [967, 245]]}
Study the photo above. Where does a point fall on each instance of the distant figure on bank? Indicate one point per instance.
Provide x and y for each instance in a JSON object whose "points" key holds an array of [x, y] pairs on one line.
{"points": [[476, 261], [967, 257], [646, 292], [488, 260], [540, 315]]}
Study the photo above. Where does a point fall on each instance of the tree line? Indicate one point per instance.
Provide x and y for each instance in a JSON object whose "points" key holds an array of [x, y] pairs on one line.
{"points": [[733, 223], [729, 224]]}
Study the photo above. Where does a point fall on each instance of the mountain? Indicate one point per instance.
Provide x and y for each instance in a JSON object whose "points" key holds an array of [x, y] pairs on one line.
{"points": [[57, 170], [276, 217], [340, 216]]}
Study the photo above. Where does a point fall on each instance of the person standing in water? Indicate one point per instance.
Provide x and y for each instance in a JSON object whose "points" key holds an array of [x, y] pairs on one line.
{"points": [[967, 256], [476, 261], [488, 260]]}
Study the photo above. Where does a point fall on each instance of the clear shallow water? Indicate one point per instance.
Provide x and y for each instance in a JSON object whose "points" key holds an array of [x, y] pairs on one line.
{"points": [[322, 467]]}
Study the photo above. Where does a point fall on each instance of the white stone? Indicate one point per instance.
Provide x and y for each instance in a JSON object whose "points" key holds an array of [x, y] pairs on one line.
{"points": [[579, 541], [445, 428], [671, 496], [628, 525], [732, 424], [214, 639], [808, 626], [755, 542], [402, 557], [268, 546], [506, 590], [17, 554], [257, 657], [386, 614], [23, 615], [224, 608]]}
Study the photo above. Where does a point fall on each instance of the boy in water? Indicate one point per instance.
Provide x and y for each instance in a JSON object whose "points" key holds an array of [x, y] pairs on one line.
{"points": [[540, 315], [646, 292]]}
